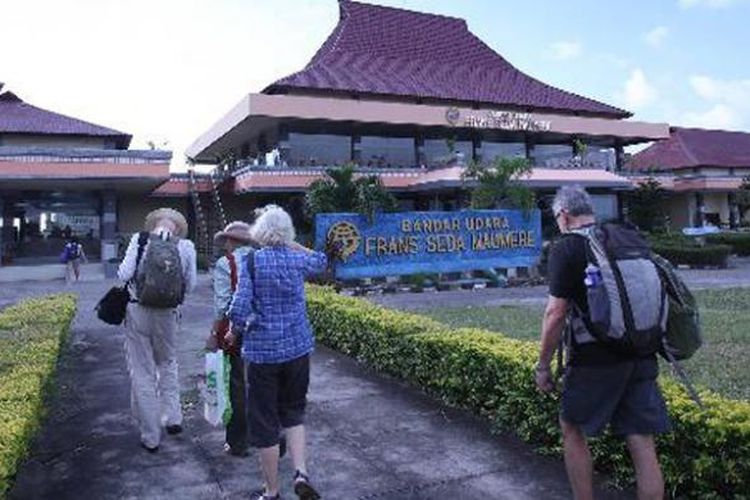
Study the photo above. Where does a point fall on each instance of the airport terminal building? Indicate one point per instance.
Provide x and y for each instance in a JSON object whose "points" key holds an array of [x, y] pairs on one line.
{"points": [[413, 97], [60, 176], [408, 96]]}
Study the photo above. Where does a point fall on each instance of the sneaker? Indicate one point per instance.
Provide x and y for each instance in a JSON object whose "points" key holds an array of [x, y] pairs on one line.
{"points": [[150, 449], [303, 488], [261, 495], [174, 429]]}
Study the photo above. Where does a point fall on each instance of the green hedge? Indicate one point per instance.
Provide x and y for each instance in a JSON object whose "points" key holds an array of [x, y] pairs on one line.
{"points": [[695, 256], [705, 457], [740, 242], [31, 334]]}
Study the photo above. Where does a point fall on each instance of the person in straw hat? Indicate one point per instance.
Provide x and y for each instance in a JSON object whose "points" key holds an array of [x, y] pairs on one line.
{"points": [[151, 332], [236, 242]]}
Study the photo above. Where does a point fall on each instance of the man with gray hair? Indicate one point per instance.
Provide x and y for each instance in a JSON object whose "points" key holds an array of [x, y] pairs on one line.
{"points": [[601, 385]]}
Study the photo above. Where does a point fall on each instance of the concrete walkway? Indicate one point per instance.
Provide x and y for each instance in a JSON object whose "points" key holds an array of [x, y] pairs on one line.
{"points": [[736, 276], [369, 436]]}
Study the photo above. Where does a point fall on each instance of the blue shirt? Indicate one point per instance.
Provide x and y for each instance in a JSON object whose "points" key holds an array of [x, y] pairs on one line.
{"points": [[272, 312]]}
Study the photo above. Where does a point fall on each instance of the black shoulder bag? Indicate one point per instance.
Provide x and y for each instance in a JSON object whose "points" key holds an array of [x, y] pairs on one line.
{"points": [[112, 307]]}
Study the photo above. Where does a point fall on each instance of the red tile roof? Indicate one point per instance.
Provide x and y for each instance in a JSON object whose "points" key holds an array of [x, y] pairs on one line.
{"points": [[695, 147], [19, 117], [377, 50], [179, 186]]}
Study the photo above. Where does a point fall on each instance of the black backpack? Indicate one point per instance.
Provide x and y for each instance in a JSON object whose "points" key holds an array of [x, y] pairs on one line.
{"points": [[627, 300], [159, 279]]}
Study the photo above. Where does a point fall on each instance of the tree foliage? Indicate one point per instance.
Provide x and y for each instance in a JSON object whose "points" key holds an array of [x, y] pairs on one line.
{"points": [[644, 205], [498, 184], [342, 191], [743, 195]]}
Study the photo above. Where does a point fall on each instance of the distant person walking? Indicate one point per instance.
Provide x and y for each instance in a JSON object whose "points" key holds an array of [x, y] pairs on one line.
{"points": [[604, 382], [236, 242], [269, 312], [72, 255], [160, 265]]}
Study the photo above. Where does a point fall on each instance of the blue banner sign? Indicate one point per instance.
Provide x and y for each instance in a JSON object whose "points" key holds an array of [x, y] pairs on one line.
{"points": [[431, 242]]}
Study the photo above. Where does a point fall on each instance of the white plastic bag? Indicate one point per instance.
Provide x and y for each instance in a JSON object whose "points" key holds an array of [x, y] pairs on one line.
{"points": [[217, 408]]}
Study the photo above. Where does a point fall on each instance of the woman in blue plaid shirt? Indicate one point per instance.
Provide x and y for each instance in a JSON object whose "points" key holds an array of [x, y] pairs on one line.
{"points": [[269, 312]]}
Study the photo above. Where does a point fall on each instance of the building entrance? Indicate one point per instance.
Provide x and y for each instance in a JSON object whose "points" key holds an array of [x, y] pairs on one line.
{"points": [[37, 226]]}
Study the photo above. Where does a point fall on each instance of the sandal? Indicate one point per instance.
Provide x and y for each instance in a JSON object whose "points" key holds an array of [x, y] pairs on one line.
{"points": [[261, 495], [303, 488]]}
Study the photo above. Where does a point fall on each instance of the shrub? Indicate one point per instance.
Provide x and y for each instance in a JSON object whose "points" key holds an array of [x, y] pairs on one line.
{"points": [[695, 256], [31, 334], [704, 457], [740, 242]]}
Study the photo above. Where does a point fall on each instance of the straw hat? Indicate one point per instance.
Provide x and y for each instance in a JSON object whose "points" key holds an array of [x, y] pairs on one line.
{"points": [[154, 217], [237, 230]]}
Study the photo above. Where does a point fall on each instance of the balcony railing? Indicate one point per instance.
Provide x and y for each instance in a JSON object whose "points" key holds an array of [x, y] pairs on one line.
{"points": [[76, 155]]}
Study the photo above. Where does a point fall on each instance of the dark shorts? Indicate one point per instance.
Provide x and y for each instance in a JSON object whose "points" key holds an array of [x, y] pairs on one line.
{"points": [[277, 395], [624, 394]]}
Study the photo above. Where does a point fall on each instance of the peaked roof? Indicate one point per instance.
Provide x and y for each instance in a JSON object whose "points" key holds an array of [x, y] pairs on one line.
{"points": [[695, 147], [19, 117], [379, 50]]}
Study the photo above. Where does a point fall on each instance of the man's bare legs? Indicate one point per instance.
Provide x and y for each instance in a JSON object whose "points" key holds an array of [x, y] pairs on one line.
{"points": [[647, 470], [577, 461]]}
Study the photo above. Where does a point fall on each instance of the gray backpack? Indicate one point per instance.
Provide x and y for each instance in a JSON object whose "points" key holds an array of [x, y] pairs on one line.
{"points": [[627, 301], [159, 281]]}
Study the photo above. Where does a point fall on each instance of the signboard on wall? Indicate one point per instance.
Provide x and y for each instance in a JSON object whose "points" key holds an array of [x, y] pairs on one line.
{"points": [[431, 242]]}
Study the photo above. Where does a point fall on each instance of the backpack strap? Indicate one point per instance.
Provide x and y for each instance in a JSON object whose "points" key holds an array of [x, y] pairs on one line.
{"points": [[680, 373], [232, 270], [575, 312], [142, 240]]}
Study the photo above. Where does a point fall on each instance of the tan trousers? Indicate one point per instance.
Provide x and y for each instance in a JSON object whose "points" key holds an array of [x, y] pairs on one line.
{"points": [[151, 352]]}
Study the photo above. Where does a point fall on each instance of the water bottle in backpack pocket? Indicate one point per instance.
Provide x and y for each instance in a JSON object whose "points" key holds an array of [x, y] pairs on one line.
{"points": [[626, 298], [597, 298]]}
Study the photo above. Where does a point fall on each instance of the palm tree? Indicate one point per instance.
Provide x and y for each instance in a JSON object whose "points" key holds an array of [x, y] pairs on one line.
{"points": [[341, 191], [498, 184]]}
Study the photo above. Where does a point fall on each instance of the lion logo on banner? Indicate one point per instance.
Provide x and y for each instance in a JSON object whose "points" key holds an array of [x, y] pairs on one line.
{"points": [[346, 238]]}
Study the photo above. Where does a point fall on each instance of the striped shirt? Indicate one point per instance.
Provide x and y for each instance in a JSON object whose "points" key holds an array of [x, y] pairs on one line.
{"points": [[222, 281], [271, 312]]}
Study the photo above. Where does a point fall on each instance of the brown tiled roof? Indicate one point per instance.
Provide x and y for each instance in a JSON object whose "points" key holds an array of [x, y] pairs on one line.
{"points": [[378, 50], [694, 147], [19, 117]]}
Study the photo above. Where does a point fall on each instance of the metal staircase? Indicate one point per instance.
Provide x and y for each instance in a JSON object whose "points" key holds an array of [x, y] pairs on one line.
{"points": [[215, 220]]}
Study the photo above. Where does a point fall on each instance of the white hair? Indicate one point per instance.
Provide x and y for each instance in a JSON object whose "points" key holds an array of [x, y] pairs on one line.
{"points": [[273, 227], [574, 200]]}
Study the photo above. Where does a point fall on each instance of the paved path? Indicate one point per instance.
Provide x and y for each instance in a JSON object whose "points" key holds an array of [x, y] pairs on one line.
{"points": [[369, 436], [737, 275]]}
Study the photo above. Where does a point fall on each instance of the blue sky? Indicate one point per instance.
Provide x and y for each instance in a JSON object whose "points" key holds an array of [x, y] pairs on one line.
{"points": [[165, 70]]}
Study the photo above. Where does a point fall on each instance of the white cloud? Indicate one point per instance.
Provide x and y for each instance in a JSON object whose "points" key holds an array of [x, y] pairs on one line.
{"points": [[163, 70], [638, 91], [728, 101], [566, 50], [712, 4], [656, 36], [719, 116], [735, 92]]}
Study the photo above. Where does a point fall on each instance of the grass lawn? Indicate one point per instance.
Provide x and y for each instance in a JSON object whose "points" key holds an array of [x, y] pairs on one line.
{"points": [[721, 364]]}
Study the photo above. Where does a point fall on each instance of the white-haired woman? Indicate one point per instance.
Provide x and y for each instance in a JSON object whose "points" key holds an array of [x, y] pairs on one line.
{"points": [[269, 311]]}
